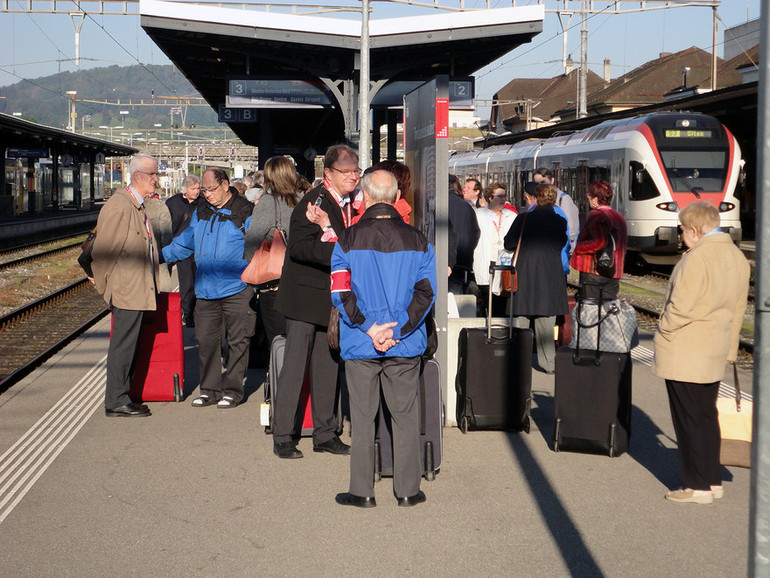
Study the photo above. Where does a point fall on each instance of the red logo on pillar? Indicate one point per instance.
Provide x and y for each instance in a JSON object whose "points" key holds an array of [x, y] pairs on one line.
{"points": [[442, 118]]}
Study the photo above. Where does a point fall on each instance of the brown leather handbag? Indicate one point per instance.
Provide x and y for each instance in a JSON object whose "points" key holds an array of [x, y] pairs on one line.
{"points": [[264, 270]]}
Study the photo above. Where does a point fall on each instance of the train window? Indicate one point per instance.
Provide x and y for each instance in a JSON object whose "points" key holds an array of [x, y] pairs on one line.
{"points": [[641, 186], [695, 170]]}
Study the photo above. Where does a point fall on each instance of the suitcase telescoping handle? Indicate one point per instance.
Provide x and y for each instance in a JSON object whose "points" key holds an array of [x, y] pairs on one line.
{"points": [[580, 299], [493, 267]]}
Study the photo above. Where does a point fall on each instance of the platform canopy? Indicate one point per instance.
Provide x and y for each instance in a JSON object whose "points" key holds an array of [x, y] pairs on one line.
{"points": [[210, 45], [17, 133]]}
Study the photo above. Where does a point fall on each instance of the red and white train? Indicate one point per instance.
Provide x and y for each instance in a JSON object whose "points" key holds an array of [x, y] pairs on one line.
{"points": [[656, 163]]}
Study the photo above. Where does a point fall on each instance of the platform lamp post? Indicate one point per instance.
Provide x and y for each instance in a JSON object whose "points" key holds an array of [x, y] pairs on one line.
{"points": [[123, 114], [72, 114]]}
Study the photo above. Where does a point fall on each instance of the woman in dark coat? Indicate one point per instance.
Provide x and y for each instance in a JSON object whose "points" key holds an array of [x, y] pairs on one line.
{"points": [[542, 285]]}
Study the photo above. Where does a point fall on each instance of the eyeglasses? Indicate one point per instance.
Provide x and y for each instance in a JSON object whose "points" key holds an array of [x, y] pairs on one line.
{"points": [[156, 174], [204, 190], [348, 172]]}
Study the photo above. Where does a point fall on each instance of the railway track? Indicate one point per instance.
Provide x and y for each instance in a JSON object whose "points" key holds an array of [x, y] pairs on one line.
{"points": [[666, 277], [7, 262], [33, 333], [654, 315]]}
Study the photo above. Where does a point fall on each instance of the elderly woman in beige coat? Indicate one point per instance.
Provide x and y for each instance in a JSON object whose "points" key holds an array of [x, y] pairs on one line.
{"points": [[698, 333]]}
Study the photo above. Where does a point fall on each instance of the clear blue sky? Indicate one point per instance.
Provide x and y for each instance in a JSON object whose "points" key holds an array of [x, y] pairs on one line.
{"points": [[35, 45]]}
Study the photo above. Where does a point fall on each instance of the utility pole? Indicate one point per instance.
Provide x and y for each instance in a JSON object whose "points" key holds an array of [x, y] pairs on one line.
{"points": [[364, 144], [583, 104]]}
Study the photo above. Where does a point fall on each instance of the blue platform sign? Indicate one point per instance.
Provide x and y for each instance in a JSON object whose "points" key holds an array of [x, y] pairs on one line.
{"points": [[27, 153]]}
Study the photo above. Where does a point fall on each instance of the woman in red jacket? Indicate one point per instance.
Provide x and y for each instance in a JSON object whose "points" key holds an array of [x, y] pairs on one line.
{"points": [[603, 227]]}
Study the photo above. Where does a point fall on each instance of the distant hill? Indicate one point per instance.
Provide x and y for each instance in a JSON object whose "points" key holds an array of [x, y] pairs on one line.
{"points": [[44, 100]]}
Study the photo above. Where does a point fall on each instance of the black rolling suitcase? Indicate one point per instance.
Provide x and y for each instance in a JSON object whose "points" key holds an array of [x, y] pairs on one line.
{"points": [[494, 375], [431, 424], [592, 400]]}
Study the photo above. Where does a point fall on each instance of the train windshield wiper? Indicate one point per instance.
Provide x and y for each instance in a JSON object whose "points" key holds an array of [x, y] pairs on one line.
{"points": [[675, 174]]}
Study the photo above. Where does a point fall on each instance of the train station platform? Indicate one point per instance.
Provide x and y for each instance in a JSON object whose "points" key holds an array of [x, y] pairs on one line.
{"points": [[198, 492]]}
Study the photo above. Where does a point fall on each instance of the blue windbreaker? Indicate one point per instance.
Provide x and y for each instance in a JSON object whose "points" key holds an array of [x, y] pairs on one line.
{"points": [[215, 237], [383, 270]]}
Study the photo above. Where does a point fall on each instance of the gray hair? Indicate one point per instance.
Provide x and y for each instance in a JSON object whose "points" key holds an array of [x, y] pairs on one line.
{"points": [[137, 161], [188, 182], [381, 186]]}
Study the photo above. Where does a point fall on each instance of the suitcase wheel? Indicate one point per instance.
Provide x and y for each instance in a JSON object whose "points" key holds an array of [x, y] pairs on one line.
{"points": [[525, 425], [177, 389], [556, 427], [464, 424], [429, 473]]}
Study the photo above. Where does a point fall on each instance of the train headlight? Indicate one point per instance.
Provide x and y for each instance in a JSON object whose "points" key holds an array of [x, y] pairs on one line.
{"points": [[724, 207], [672, 207]]}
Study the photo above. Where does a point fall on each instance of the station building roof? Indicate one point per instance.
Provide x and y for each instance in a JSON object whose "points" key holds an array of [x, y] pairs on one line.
{"points": [[209, 43], [18, 133]]}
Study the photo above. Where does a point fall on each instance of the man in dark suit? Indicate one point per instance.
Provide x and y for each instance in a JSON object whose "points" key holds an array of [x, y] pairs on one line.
{"points": [[304, 298]]}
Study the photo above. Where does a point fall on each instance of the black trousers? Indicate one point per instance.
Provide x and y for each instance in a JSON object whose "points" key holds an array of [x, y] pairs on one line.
{"points": [[696, 423], [399, 378], [306, 343], [126, 325], [216, 319], [186, 273], [274, 322]]}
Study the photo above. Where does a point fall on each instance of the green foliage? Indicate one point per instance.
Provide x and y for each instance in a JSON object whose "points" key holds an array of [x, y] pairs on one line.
{"points": [[45, 101]]}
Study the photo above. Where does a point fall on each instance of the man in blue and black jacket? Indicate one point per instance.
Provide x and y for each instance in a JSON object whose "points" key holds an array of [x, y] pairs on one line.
{"points": [[215, 236], [384, 284]]}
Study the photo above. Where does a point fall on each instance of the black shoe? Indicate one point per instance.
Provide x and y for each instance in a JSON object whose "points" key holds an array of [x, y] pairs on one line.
{"points": [[348, 499], [333, 446], [287, 451], [128, 410], [409, 501]]}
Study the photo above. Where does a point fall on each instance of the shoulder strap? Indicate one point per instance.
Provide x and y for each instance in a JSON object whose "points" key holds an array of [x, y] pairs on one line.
{"points": [[518, 243]]}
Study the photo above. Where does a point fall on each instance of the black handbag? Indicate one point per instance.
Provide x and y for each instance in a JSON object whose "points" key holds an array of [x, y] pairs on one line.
{"points": [[605, 260], [85, 259]]}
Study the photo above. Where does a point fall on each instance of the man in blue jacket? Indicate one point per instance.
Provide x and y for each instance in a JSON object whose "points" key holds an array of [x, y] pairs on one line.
{"points": [[384, 284], [215, 236]]}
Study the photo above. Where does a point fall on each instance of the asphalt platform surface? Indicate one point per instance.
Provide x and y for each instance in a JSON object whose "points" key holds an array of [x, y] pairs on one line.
{"points": [[198, 492]]}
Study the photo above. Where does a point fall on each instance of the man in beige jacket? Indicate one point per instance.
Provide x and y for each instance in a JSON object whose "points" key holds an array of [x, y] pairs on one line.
{"points": [[697, 336], [125, 266]]}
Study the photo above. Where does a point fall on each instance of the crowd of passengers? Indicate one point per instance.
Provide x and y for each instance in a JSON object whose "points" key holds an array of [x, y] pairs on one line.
{"points": [[350, 246]]}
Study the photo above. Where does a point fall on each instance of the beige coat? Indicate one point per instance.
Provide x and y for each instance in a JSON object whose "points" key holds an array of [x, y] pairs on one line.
{"points": [[123, 273], [701, 321]]}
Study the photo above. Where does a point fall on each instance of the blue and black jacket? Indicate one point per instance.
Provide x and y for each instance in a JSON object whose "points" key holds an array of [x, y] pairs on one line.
{"points": [[215, 237], [383, 270]]}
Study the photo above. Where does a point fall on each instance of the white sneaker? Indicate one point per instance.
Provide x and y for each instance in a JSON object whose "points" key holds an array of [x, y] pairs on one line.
{"points": [[688, 496], [227, 402], [718, 492]]}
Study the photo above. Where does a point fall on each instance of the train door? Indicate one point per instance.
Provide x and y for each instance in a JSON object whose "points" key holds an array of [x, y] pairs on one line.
{"points": [[580, 194]]}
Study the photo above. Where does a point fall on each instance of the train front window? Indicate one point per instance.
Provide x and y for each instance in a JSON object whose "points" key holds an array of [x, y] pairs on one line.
{"points": [[695, 171]]}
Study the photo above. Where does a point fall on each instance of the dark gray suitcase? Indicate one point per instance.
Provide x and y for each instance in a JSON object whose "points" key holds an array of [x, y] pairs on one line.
{"points": [[304, 418], [494, 376], [592, 403], [592, 400], [431, 427]]}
